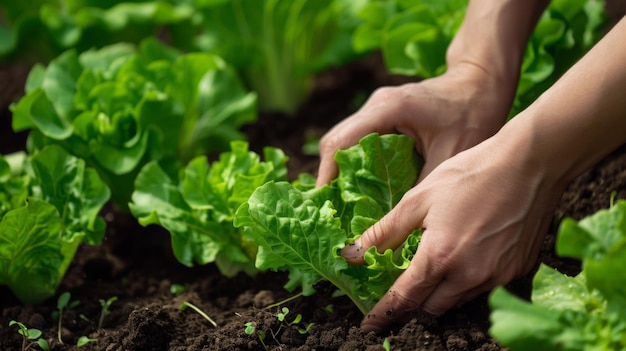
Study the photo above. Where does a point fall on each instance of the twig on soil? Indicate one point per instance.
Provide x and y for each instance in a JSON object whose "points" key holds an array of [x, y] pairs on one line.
{"points": [[280, 303], [186, 304]]}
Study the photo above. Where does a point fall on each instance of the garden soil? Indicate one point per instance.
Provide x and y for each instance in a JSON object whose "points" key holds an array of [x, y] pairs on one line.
{"points": [[136, 265]]}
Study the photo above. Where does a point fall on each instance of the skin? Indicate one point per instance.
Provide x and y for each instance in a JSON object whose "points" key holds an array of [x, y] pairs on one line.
{"points": [[486, 199], [462, 107]]}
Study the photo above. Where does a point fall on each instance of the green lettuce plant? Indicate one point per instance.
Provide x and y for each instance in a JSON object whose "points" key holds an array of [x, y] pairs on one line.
{"points": [[198, 208], [413, 37], [279, 45], [300, 229], [122, 106], [583, 312], [49, 205], [43, 29]]}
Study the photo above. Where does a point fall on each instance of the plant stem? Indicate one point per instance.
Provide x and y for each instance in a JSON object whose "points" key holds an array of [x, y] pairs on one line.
{"points": [[59, 327], [284, 301], [200, 312]]}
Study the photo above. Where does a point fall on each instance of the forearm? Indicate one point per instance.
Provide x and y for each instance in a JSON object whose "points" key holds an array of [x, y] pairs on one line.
{"points": [[494, 35], [582, 117]]}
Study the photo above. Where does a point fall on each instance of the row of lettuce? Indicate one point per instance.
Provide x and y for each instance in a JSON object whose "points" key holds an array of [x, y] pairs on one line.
{"points": [[132, 123], [240, 213], [277, 46]]}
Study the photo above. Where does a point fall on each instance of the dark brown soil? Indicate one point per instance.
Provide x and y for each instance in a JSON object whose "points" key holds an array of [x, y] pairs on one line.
{"points": [[136, 265]]}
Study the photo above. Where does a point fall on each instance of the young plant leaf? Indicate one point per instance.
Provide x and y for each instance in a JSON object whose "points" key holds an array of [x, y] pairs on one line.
{"points": [[572, 313], [49, 205], [199, 210], [30, 250], [121, 106], [302, 231]]}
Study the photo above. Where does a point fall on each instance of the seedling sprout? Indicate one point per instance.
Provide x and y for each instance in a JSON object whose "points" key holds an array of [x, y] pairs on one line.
{"points": [[30, 336], [105, 309], [64, 303]]}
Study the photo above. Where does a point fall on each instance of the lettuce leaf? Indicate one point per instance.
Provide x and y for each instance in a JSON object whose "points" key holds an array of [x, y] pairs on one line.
{"points": [[30, 251], [120, 107], [199, 209], [301, 230], [49, 205], [585, 312]]}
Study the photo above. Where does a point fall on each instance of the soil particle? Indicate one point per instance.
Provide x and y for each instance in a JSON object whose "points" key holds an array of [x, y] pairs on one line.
{"points": [[263, 298], [145, 329]]}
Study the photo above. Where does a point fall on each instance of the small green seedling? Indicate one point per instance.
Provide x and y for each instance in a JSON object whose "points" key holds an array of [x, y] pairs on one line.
{"points": [[251, 330], [186, 304], [386, 345], [64, 303], [30, 336], [282, 316], [105, 309], [177, 289], [84, 340]]}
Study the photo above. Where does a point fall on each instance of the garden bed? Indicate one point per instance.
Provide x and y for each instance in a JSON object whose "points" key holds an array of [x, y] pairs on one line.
{"points": [[136, 264]]}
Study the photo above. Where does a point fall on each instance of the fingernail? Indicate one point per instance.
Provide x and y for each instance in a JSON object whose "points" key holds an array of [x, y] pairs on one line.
{"points": [[352, 251]]}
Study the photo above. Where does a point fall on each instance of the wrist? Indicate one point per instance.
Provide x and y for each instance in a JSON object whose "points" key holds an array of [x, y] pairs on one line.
{"points": [[494, 35], [514, 152], [501, 66], [488, 98], [540, 149]]}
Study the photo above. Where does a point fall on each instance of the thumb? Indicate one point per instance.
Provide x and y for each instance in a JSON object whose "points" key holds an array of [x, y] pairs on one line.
{"points": [[389, 232]]}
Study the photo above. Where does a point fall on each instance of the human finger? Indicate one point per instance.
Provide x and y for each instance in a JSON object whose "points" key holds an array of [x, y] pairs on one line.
{"points": [[342, 136], [386, 111], [389, 232], [406, 295]]}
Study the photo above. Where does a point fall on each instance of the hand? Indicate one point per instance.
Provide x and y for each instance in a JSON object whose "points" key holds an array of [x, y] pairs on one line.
{"points": [[484, 213], [445, 115]]}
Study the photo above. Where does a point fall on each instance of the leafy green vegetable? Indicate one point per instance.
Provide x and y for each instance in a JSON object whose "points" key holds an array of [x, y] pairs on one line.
{"points": [[585, 312], [49, 205], [301, 229], [413, 37], [43, 29], [284, 42], [199, 210], [121, 106]]}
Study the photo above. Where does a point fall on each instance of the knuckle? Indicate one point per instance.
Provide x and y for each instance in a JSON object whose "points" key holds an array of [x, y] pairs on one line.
{"points": [[434, 310], [401, 300], [384, 234], [477, 276], [442, 258], [384, 93], [389, 96], [375, 234], [329, 143]]}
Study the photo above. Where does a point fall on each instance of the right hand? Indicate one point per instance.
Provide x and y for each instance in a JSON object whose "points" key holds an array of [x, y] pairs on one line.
{"points": [[444, 115]]}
